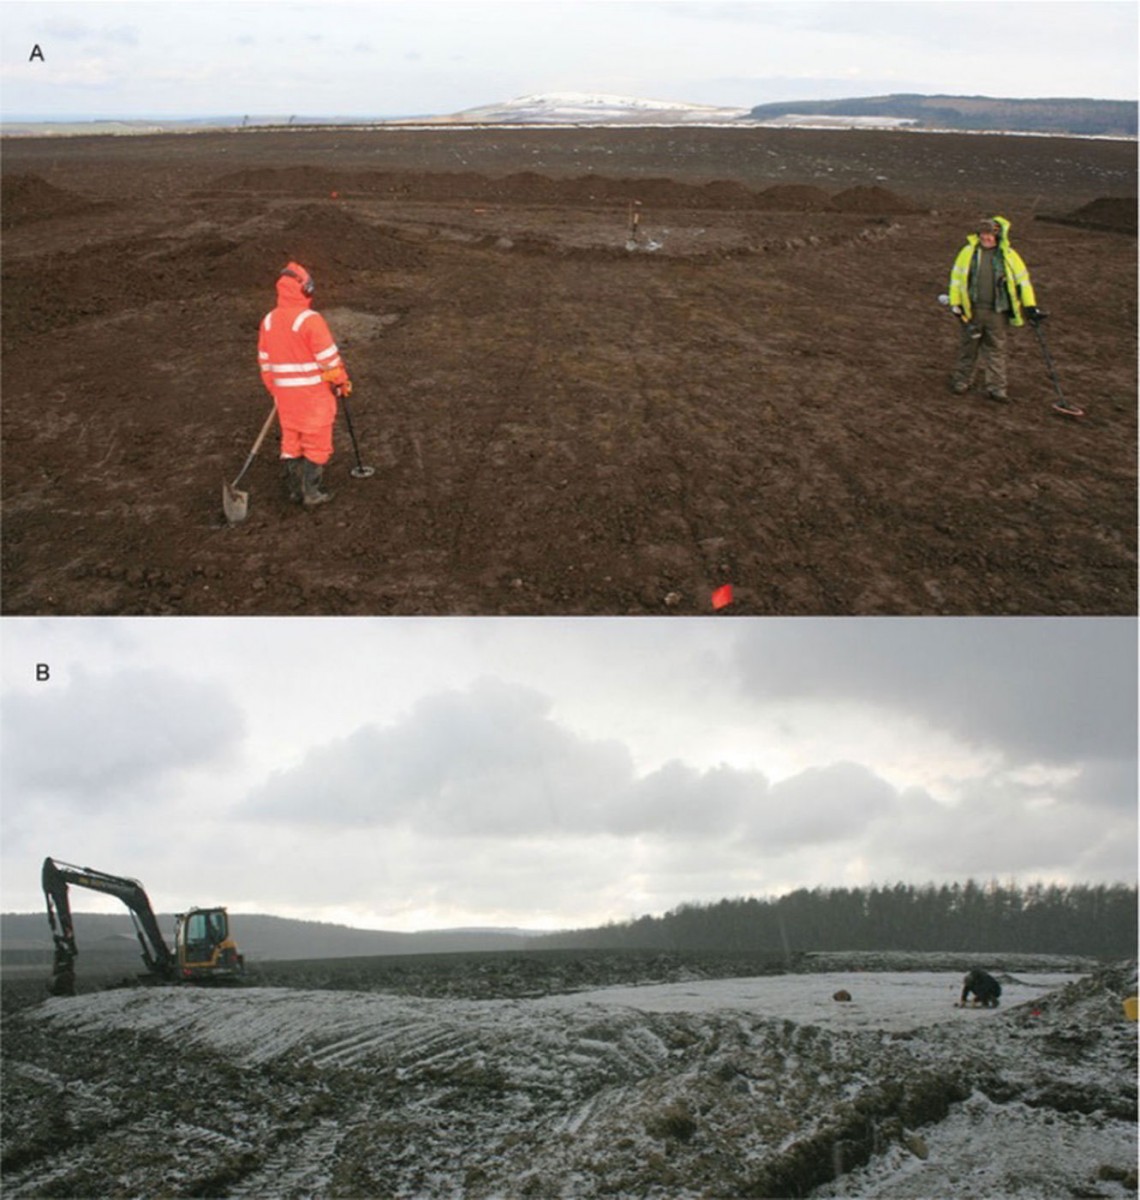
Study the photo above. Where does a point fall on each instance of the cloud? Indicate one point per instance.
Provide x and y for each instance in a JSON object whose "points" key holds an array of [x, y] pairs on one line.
{"points": [[104, 740], [1004, 825], [681, 801], [822, 804], [1040, 689], [480, 762], [491, 761], [81, 31], [1104, 787]]}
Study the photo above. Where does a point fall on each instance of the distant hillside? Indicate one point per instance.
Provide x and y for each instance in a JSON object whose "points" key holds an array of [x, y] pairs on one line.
{"points": [[26, 937], [582, 108], [1085, 118]]}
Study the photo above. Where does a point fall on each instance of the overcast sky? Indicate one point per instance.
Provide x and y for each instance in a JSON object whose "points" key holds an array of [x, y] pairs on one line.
{"points": [[414, 57], [549, 773]]}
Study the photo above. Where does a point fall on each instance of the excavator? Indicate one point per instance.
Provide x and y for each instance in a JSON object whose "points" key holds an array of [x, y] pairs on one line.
{"points": [[203, 951]]}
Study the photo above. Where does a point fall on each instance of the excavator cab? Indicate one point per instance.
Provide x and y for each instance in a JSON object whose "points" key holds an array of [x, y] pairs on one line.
{"points": [[203, 945]]}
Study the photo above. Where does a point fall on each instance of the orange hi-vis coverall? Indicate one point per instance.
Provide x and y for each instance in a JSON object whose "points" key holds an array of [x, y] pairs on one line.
{"points": [[294, 346]]}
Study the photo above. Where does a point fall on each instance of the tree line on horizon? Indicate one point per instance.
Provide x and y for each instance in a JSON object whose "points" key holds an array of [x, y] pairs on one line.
{"points": [[1072, 115], [1096, 920]]}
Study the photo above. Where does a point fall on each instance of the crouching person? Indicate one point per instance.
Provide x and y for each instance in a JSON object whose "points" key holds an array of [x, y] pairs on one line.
{"points": [[984, 988]]}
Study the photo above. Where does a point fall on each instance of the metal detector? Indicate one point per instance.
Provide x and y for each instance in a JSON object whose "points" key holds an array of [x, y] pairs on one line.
{"points": [[359, 471], [1065, 407]]}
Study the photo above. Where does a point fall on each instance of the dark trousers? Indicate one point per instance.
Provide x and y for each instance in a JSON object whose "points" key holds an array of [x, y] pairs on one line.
{"points": [[986, 351]]}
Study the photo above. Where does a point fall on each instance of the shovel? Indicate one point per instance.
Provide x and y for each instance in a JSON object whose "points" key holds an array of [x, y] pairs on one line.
{"points": [[236, 503]]}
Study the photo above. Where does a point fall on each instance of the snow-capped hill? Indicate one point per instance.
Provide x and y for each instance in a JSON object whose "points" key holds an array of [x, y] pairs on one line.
{"points": [[566, 108]]}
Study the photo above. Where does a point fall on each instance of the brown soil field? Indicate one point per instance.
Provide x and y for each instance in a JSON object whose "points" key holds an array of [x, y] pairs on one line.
{"points": [[565, 420]]}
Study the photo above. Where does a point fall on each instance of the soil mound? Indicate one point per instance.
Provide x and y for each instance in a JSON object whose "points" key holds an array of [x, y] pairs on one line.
{"points": [[1107, 212], [25, 198], [1114, 214], [871, 200], [280, 179], [330, 242], [530, 187], [793, 198], [327, 240]]}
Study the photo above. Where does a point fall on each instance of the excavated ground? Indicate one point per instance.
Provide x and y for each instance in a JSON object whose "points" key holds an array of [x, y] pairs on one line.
{"points": [[565, 419], [715, 1089]]}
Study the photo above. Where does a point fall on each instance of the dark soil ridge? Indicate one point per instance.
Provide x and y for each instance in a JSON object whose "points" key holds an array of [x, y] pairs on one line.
{"points": [[41, 296], [329, 241], [1110, 214], [527, 187], [26, 197]]}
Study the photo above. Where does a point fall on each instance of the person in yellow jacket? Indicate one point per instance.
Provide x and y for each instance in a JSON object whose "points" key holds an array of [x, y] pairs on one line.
{"points": [[990, 289]]}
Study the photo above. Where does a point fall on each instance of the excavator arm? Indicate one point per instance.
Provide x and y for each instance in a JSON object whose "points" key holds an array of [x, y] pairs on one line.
{"points": [[57, 879]]}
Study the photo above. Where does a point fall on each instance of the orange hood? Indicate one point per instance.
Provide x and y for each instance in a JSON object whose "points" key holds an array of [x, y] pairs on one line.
{"points": [[291, 285]]}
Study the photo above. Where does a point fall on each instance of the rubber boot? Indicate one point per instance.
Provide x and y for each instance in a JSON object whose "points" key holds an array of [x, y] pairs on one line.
{"points": [[293, 482], [311, 474]]}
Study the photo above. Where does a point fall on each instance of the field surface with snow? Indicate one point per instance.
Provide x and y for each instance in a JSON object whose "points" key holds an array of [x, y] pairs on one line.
{"points": [[695, 1088]]}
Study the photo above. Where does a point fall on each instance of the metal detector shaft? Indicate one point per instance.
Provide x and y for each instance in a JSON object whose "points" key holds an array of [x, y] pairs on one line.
{"points": [[359, 471], [1040, 333], [1063, 406]]}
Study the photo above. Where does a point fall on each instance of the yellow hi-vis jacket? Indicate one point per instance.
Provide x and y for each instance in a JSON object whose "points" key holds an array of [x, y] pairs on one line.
{"points": [[1015, 275]]}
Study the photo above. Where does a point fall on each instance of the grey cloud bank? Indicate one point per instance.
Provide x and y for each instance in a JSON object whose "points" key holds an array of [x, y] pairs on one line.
{"points": [[1017, 682], [100, 739], [563, 772]]}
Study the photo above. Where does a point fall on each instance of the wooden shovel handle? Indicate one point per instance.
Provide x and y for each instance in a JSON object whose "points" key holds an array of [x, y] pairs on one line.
{"points": [[256, 446], [264, 430]]}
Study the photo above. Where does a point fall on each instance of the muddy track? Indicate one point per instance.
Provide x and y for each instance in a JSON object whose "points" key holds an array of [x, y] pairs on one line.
{"points": [[347, 1093]]}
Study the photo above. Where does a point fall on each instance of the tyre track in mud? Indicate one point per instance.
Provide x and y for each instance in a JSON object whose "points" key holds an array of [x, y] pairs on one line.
{"points": [[478, 490], [805, 446], [303, 1163], [720, 500], [668, 414], [480, 337]]}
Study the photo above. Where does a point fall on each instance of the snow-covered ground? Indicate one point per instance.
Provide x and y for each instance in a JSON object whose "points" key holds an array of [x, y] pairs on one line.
{"points": [[559, 108], [680, 1090], [891, 1001]]}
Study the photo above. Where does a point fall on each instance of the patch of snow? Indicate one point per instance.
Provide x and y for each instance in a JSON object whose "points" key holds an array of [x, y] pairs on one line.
{"points": [[762, 1061], [890, 1001], [968, 1155], [582, 107]]}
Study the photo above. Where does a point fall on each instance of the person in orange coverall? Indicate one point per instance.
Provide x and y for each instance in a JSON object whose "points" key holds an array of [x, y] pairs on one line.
{"points": [[302, 369]]}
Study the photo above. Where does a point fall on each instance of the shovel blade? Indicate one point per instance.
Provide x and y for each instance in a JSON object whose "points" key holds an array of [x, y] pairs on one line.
{"points": [[235, 502]]}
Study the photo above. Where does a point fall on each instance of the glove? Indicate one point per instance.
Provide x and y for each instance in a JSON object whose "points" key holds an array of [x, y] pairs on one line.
{"points": [[337, 378], [956, 309], [1034, 313]]}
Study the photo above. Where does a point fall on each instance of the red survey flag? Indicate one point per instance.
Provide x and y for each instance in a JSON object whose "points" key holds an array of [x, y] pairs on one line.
{"points": [[722, 597]]}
